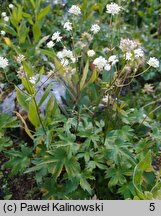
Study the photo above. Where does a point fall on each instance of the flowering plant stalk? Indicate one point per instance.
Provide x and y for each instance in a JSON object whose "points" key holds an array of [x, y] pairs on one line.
{"points": [[80, 71]]}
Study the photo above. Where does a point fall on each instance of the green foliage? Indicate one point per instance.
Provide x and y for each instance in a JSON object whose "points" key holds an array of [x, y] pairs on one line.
{"points": [[139, 179], [103, 140], [19, 160]]}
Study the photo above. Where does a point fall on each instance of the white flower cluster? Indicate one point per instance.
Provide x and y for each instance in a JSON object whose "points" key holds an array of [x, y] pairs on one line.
{"points": [[101, 63], [127, 45], [95, 28], [11, 6], [50, 44], [153, 62], [68, 26], [131, 49], [3, 62], [55, 38], [113, 59], [3, 33], [5, 17], [113, 8], [20, 58], [21, 73], [90, 53], [66, 55], [75, 10], [136, 54]]}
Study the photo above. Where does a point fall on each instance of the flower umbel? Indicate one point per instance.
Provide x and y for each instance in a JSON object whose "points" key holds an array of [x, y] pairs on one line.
{"points": [[20, 58], [153, 62], [50, 44], [68, 26], [3, 62], [100, 62], [95, 28], [113, 8], [56, 36], [75, 10], [90, 53]]}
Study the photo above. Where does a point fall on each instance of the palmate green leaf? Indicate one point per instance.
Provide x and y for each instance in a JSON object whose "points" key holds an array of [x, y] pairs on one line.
{"points": [[61, 190], [8, 121], [56, 161], [119, 150], [116, 177], [57, 169], [85, 185], [127, 190], [19, 160], [5, 142], [72, 166]]}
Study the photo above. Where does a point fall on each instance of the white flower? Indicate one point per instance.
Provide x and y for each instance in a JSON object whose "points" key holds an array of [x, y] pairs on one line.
{"points": [[11, 6], [127, 45], [68, 26], [33, 79], [128, 56], [50, 44], [91, 53], [6, 18], [144, 115], [95, 28], [153, 62], [20, 58], [66, 54], [113, 59], [73, 60], [60, 54], [75, 10], [3, 62], [132, 109], [56, 36], [113, 8], [107, 67], [3, 14], [21, 73], [100, 62], [138, 53], [3, 33], [65, 62]]}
